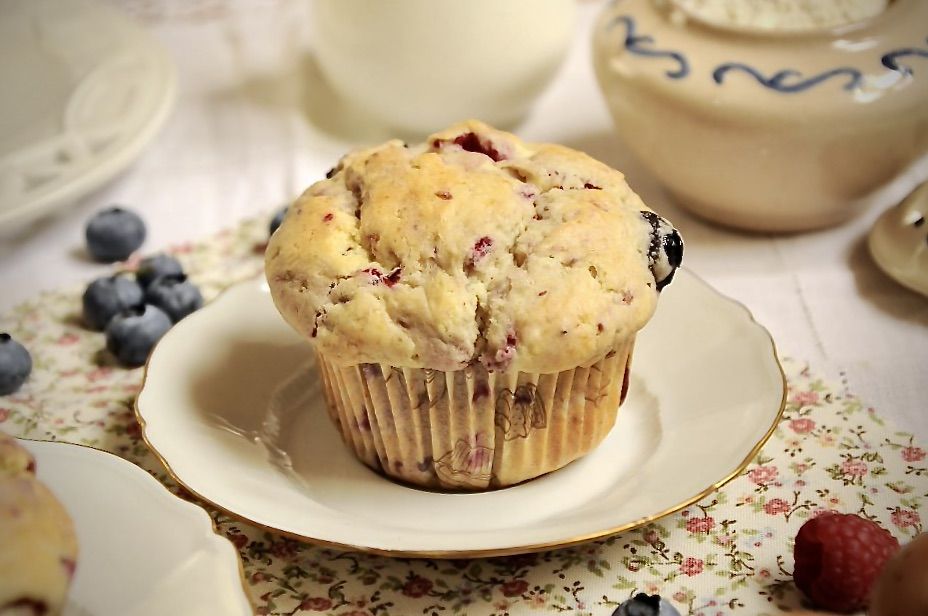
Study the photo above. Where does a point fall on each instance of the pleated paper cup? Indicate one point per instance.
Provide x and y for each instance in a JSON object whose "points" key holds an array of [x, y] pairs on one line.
{"points": [[470, 429]]}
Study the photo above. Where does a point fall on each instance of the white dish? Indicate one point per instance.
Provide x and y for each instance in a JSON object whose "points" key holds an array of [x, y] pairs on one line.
{"points": [[233, 407], [142, 550], [84, 90], [899, 241]]}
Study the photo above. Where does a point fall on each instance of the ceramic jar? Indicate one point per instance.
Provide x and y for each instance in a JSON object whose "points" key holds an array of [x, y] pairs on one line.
{"points": [[421, 65], [767, 130]]}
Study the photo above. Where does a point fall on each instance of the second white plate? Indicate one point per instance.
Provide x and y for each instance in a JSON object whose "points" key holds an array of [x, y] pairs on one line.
{"points": [[141, 550], [232, 405]]}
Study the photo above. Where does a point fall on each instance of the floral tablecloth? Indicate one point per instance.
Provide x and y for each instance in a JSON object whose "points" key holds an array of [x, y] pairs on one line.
{"points": [[731, 553]]}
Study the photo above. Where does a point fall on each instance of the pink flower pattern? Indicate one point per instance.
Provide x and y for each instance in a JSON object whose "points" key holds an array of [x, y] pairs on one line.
{"points": [[803, 425], [713, 560], [316, 604], [803, 398], [691, 566], [762, 475], [854, 468], [700, 525], [776, 506], [905, 518]]}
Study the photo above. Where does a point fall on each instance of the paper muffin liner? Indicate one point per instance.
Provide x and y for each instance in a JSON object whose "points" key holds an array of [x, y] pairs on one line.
{"points": [[472, 429]]}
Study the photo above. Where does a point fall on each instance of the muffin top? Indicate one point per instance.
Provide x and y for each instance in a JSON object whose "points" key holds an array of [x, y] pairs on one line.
{"points": [[471, 247]]}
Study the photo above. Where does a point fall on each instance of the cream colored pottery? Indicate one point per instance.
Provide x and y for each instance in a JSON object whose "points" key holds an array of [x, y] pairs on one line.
{"points": [[899, 241], [420, 65], [141, 550], [233, 404], [770, 131]]}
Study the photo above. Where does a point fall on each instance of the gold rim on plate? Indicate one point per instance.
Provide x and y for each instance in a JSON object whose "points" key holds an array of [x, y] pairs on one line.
{"points": [[505, 551]]}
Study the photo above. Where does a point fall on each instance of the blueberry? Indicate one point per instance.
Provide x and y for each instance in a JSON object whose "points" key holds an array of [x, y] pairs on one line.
{"points": [[15, 364], [277, 220], [665, 249], [105, 297], [646, 605], [114, 234], [175, 295], [157, 265], [132, 333], [673, 248]]}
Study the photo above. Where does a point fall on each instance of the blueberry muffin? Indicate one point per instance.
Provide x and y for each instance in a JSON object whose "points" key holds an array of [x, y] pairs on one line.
{"points": [[473, 301], [39, 552]]}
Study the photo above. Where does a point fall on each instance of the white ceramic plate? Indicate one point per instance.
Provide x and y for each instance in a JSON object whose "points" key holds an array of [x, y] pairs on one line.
{"points": [[142, 550], [84, 89], [232, 405], [899, 241]]}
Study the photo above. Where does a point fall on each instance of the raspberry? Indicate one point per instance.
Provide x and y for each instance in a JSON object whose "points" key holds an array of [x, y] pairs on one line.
{"points": [[838, 558], [471, 142]]}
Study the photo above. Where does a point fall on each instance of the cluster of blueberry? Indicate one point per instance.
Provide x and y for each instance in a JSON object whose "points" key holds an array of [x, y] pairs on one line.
{"points": [[134, 312]]}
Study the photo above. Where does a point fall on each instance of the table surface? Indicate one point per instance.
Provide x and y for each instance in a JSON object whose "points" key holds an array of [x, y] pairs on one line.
{"points": [[255, 124]]}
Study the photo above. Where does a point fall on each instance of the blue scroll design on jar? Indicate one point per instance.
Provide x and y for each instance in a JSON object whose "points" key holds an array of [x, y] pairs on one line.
{"points": [[636, 45], [891, 60], [778, 81], [786, 81]]}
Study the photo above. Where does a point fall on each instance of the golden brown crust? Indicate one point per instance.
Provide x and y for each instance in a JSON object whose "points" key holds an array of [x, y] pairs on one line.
{"points": [[473, 246]]}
